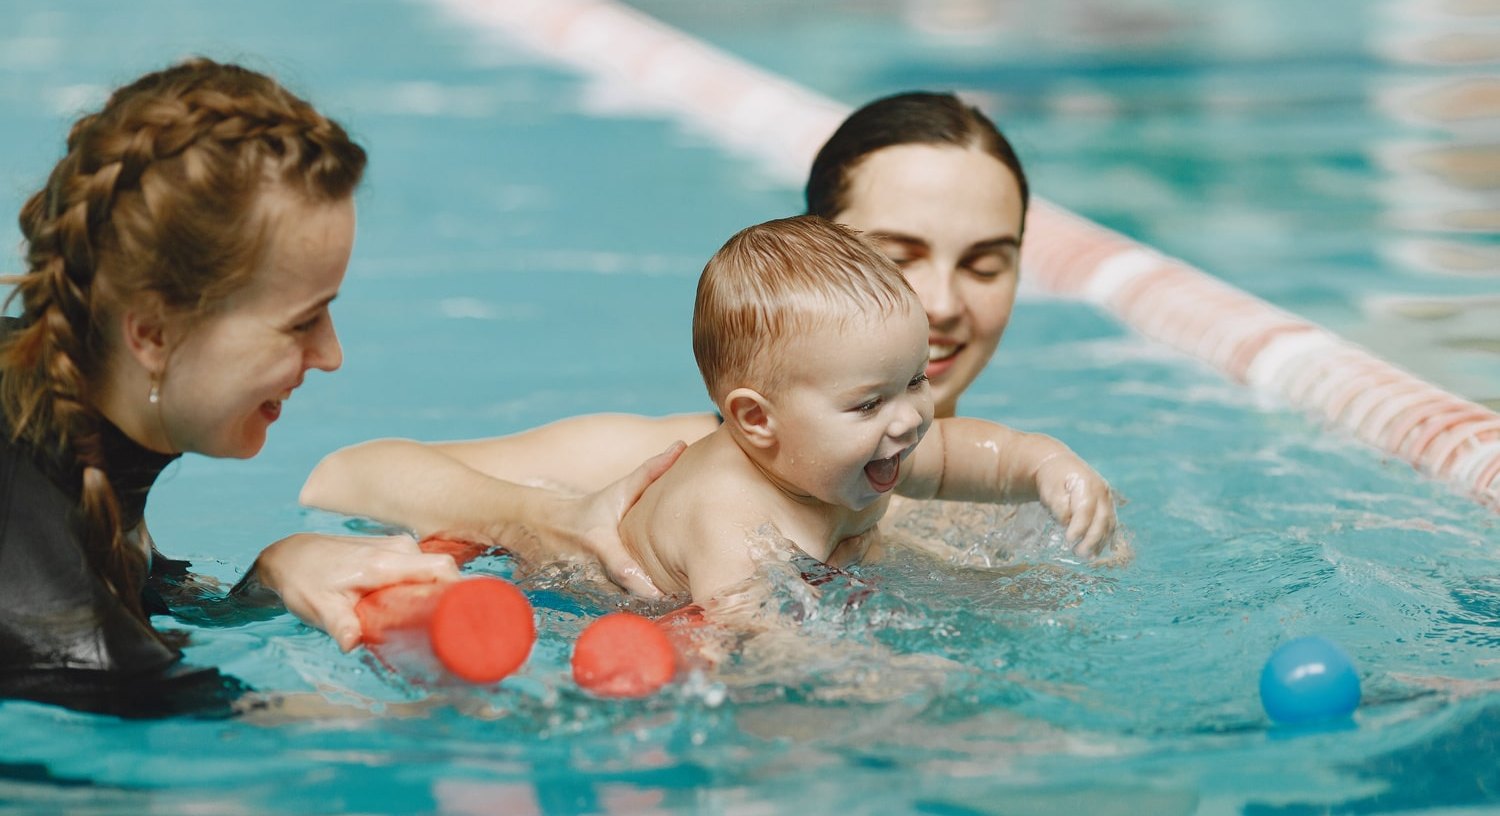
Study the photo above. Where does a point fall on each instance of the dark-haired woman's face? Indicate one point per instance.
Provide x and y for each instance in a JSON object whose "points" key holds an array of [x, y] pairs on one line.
{"points": [[950, 217]]}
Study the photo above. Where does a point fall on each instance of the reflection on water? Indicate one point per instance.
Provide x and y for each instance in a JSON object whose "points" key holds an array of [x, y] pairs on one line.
{"points": [[1457, 48], [1441, 192], [1456, 335], [1460, 102], [1439, 256], [1473, 168]]}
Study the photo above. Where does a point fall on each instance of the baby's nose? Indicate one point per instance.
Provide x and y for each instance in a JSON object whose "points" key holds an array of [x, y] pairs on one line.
{"points": [[906, 422]]}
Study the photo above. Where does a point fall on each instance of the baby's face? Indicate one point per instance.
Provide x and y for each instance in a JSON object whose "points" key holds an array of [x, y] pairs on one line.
{"points": [[854, 405]]}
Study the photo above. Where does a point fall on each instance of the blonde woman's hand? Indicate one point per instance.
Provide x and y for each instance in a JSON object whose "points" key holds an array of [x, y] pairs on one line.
{"points": [[320, 578]]}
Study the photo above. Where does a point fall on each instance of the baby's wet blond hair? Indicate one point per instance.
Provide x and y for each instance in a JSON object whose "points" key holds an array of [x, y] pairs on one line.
{"points": [[774, 281]]}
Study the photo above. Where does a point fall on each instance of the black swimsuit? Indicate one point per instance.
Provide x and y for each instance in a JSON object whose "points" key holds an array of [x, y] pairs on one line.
{"points": [[65, 638]]}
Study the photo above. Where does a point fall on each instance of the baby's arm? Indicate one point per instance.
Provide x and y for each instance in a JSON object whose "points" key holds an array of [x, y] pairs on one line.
{"points": [[964, 459]]}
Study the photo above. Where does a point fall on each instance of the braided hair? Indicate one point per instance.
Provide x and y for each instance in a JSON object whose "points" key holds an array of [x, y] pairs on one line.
{"points": [[156, 195]]}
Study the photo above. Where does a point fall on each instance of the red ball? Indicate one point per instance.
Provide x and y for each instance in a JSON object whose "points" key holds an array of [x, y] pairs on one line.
{"points": [[623, 655], [482, 629]]}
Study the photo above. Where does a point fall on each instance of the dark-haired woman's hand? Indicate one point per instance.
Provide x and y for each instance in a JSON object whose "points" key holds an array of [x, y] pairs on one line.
{"points": [[598, 534]]}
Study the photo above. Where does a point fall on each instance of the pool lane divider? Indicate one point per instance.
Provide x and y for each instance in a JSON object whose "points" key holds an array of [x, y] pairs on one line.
{"points": [[637, 60]]}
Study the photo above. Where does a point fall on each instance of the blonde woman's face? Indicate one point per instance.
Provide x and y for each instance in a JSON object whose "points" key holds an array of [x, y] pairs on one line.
{"points": [[950, 217], [230, 373]]}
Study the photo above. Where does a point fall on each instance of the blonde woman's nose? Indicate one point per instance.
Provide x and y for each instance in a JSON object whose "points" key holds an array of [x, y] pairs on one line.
{"points": [[326, 354]]}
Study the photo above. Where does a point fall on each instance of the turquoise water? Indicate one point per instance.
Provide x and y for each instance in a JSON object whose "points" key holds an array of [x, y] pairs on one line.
{"points": [[522, 257]]}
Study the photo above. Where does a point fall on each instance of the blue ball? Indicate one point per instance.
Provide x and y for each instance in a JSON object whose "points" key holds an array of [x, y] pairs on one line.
{"points": [[1309, 680]]}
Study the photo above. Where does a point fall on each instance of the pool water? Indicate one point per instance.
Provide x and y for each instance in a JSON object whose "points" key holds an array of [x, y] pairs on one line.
{"points": [[527, 252]]}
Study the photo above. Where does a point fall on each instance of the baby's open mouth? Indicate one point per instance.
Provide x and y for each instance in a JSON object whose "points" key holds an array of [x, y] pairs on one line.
{"points": [[882, 473]]}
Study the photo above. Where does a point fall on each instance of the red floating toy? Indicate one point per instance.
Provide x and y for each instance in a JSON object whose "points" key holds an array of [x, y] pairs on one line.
{"points": [[623, 655], [480, 630]]}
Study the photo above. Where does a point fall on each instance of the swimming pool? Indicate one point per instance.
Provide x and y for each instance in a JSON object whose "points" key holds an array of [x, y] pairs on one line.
{"points": [[527, 250]]}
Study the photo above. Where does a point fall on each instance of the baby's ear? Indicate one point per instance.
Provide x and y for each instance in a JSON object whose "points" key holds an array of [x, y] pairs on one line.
{"points": [[750, 413]]}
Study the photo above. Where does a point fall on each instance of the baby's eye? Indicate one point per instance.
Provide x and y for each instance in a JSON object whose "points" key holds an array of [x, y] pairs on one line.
{"points": [[916, 382], [868, 406]]}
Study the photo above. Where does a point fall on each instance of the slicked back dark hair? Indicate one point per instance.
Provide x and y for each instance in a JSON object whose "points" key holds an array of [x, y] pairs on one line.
{"points": [[917, 117]]}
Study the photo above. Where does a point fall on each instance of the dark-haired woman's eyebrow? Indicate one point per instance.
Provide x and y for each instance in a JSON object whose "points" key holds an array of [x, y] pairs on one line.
{"points": [[994, 244], [894, 237]]}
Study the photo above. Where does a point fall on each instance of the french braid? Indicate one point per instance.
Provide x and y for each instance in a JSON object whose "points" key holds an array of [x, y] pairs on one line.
{"points": [[156, 194]]}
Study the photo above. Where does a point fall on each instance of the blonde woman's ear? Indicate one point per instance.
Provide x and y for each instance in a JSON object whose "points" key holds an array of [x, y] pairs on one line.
{"points": [[749, 412], [145, 333]]}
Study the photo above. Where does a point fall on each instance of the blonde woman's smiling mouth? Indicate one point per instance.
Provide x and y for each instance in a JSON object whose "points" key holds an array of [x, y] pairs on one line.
{"points": [[271, 408]]}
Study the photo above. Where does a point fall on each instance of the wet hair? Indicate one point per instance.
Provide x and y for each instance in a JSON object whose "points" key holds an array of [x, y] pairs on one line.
{"points": [[774, 281], [916, 117], [159, 193]]}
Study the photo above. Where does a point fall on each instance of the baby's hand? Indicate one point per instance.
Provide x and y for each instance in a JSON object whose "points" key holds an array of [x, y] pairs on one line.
{"points": [[1079, 499]]}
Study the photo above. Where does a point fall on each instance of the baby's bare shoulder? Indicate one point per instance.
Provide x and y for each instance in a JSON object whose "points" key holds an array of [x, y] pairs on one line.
{"points": [[701, 496]]}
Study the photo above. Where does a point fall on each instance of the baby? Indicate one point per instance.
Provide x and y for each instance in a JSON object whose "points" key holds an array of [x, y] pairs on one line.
{"points": [[814, 348]]}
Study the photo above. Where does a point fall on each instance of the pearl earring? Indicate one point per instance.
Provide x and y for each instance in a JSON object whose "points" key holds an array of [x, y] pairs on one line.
{"points": [[155, 396]]}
